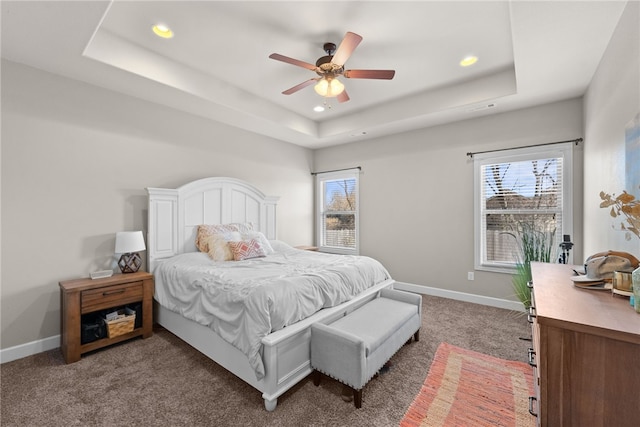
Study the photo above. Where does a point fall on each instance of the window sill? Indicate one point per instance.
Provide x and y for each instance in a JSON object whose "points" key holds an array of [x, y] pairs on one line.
{"points": [[337, 251], [496, 269]]}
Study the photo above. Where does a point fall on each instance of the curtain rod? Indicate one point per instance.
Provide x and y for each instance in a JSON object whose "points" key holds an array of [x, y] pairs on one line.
{"points": [[336, 170], [576, 141]]}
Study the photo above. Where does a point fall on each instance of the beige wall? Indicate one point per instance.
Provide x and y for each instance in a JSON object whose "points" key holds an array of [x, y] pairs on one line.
{"points": [[75, 163], [76, 159], [416, 192], [613, 99]]}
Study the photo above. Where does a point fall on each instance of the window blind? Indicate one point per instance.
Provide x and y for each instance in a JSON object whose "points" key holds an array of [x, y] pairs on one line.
{"points": [[518, 198]]}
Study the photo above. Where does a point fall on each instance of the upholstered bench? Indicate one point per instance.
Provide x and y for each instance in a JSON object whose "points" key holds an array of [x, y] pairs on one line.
{"points": [[354, 348]]}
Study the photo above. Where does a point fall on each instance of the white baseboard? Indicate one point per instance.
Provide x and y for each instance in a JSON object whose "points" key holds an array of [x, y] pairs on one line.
{"points": [[46, 344], [461, 296], [29, 349]]}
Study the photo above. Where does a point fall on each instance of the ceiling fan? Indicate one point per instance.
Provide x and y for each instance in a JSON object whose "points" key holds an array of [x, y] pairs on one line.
{"points": [[331, 66]]}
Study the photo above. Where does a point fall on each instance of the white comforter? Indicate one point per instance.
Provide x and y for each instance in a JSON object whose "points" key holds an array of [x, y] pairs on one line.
{"points": [[243, 301]]}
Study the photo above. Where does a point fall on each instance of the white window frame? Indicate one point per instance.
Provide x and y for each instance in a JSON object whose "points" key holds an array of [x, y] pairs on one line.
{"points": [[564, 150], [320, 240]]}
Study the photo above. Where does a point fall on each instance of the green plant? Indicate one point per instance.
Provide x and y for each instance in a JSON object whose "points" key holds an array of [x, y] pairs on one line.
{"points": [[520, 282], [535, 245]]}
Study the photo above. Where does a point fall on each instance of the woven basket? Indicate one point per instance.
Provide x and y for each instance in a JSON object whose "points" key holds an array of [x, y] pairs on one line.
{"points": [[120, 326]]}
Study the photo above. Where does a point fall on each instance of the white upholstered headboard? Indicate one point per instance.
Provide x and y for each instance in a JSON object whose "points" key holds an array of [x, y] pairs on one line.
{"points": [[174, 214]]}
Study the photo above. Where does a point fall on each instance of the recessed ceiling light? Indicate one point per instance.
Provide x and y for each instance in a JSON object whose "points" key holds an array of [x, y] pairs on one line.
{"points": [[469, 60], [318, 108], [163, 31]]}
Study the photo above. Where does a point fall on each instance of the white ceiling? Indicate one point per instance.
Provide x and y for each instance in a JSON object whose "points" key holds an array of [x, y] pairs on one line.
{"points": [[217, 64]]}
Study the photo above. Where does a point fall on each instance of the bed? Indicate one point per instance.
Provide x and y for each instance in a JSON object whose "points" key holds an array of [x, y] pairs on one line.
{"points": [[280, 357]]}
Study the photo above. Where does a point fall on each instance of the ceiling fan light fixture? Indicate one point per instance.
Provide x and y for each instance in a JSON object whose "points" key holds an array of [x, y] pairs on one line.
{"points": [[163, 31], [329, 87]]}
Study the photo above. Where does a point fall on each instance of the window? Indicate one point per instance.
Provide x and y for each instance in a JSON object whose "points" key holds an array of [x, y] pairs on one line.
{"points": [[337, 206], [521, 195]]}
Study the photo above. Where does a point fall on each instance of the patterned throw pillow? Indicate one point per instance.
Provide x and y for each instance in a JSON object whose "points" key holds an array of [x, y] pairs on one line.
{"points": [[246, 249], [261, 238], [206, 230], [244, 227]]}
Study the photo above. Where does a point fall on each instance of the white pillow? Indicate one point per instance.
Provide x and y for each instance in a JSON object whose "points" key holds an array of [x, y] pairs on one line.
{"points": [[218, 245], [280, 246]]}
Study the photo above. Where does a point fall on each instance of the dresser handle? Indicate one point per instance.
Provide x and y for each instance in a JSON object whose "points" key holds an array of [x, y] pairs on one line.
{"points": [[531, 356], [531, 315], [531, 400], [117, 291]]}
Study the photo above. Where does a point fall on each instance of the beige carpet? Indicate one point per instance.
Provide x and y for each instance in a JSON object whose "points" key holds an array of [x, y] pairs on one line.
{"points": [[161, 381]]}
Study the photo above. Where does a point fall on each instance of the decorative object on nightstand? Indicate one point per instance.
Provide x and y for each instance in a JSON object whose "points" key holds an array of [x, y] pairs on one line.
{"points": [[101, 274], [129, 243]]}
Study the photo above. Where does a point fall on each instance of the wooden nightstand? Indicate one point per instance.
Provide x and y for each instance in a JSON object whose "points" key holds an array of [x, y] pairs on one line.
{"points": [[84, 297], [307, 248]]}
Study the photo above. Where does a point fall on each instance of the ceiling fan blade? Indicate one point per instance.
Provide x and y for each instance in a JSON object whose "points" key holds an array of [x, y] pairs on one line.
{"points": [[300, 86], [343, 97], [288, 60], [370, 74], [346, 48]]}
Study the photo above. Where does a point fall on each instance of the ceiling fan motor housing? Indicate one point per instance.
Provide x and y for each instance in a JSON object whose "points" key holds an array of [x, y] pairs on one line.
{"points": [[325, 66]]}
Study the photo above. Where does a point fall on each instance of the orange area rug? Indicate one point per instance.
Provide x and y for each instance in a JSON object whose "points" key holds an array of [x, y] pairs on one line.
{"points": [[466, 388]]}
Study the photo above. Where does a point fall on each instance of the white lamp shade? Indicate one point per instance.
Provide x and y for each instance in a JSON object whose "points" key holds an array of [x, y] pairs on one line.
{"points": [[129, 241]]}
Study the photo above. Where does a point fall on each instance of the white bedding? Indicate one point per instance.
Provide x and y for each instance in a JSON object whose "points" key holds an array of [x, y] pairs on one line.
{"points": [[243, 301]]}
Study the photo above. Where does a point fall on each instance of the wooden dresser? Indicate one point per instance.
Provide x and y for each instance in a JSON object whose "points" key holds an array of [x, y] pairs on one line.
{"points": [[586, 352]]}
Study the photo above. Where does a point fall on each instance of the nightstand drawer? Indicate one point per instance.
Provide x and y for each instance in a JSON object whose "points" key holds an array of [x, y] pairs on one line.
{"points": [[110, 296]]}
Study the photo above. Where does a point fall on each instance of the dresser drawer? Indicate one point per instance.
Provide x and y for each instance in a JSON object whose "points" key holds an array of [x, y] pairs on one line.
{"points": [[110, 296]]}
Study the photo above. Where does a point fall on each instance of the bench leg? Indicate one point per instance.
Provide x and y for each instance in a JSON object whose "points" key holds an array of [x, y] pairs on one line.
{"points": [[347, 393], [416, 337], [357, 398], [316, 378]]}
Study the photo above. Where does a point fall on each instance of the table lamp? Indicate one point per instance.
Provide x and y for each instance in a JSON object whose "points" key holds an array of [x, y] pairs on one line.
{"points": [[129, 243]]}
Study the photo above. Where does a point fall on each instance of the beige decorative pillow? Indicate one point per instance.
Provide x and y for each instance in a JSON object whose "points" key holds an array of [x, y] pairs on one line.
{"points": [[218, 245], [207, 230]]}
